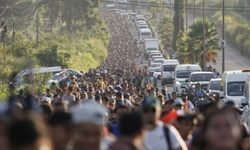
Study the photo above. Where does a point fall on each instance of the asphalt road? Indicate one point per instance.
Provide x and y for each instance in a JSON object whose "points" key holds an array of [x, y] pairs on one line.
{"points": [[134, 32], [233, 59]]}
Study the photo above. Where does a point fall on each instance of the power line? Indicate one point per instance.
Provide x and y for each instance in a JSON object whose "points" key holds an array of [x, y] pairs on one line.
{"points": [[46, 19], [190, 6], [134, 2], [32, 4], [7, 7], [32, 23], [4, 11], [178, 7], [19, 2], [26, 15]]}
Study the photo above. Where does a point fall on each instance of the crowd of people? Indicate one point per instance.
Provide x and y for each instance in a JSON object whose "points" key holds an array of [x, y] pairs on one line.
{"points": [[116, 107]]}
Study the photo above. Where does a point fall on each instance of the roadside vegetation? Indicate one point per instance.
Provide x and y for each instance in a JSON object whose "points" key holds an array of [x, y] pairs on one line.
{"points": [[237, 28], [78, 40]]}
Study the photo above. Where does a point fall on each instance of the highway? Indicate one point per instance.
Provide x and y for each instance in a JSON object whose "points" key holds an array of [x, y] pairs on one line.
{"points": [[134, 32], [233, 59]]}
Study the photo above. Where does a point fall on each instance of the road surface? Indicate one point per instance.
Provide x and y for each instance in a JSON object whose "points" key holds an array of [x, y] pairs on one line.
{"points": [[134, 32], [233, 59]]}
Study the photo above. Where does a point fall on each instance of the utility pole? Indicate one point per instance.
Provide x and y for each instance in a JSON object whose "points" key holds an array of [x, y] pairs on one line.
{"points": [[223, 36], [194, 10], [37, 25], [3, 37], [179, 14], [170, 9], [186, 15], [13, 33], [204, 48], [51, 20], [139, 6], [163, 9], [245, 10]]}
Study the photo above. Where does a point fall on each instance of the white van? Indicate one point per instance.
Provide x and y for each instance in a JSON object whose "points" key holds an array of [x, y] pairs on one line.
{"points": [[167, 73], [145, 33], [245, 102], [159, 60], [233, 84], [181, 74], [21, 78]]}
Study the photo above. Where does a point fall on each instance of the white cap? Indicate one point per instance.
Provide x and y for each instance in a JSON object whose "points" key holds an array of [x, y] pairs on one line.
{"points": [[46, 99], [178, 102], [3, 107], [89, 113]]}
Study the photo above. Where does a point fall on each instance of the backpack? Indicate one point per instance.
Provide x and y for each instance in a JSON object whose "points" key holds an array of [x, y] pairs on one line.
{"points": [[167, 136]]}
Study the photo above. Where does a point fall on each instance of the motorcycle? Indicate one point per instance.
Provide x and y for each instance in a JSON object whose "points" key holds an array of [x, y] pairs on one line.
{"points": [[198, 100]]}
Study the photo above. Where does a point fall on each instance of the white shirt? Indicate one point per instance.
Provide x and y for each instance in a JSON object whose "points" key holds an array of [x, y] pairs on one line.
{"points": [[156, 139], [191, 106], [127, 102], [87, 99]]}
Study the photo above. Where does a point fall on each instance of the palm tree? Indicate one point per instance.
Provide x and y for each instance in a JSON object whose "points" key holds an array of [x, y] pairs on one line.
{"points": [[195, 41]]}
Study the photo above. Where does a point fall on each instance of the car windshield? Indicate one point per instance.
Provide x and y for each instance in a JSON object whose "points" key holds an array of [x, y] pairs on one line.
{"points": [[214, 85], [145, 33], [152, 49], [155, 65], [154, 55], [141, 22], [169, 68], [235, 88], [183, 74], [143, 27], [202, 77], [158, 61], [17, 78], [57, 77], [157, 70]]}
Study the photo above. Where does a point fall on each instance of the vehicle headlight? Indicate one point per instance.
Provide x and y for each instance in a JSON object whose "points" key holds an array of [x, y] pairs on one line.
{"points": [[193, 86], [178, 82]]}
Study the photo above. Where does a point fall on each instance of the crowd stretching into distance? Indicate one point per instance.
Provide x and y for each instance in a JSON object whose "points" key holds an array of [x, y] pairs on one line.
{"points": [[117, 107]]}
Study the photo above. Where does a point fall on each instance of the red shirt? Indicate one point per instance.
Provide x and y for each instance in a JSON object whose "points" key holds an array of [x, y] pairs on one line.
{"points": [[170, 117]]}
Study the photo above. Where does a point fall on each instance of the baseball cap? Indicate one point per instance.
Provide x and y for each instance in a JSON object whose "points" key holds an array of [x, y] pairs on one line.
{"points": [[170, 101], [150, 101], [184, 94], [46, 99], [89, 113], [84, 92], [188, 117], [178, 102]]}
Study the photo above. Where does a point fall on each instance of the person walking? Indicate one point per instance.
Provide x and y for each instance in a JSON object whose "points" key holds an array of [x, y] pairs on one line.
{"points": [[159, 136]]}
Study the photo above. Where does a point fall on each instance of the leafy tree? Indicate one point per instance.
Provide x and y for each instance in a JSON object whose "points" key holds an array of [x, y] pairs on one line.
{"points": [[37, 83], [178, 21], [165, 29], [155, 7], [194, 42]]}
